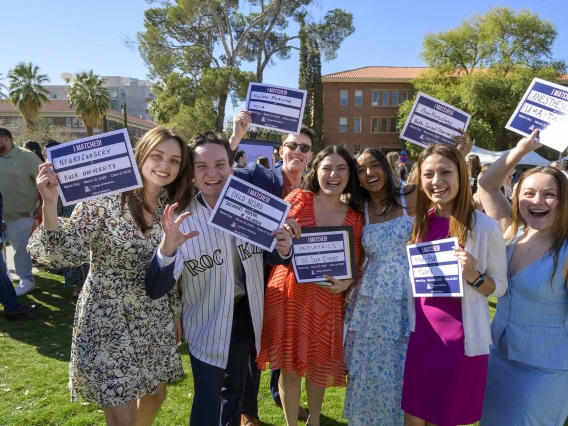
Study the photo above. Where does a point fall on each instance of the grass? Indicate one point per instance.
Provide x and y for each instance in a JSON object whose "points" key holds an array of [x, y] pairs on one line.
{"points": [[34, 359]]}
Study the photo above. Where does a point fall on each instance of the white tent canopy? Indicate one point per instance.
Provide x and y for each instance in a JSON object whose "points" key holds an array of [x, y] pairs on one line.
{"points": [[489, 157]]}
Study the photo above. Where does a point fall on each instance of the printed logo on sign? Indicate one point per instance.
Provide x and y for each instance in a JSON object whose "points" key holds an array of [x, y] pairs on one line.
{"points": [[87, 189], [234, 225]]}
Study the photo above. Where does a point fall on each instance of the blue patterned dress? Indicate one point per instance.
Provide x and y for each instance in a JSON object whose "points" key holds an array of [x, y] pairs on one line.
{"points": [[378, 328]]}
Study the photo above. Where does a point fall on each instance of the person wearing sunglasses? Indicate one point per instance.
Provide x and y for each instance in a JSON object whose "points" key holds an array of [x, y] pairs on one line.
{"points": [[296, 154]]}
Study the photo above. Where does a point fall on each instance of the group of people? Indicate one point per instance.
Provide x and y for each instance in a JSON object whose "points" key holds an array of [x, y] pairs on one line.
{"points": [[159, 272]]}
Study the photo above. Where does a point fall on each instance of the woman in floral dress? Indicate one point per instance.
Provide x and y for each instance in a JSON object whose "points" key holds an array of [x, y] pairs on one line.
{"points": [[124, 345]]}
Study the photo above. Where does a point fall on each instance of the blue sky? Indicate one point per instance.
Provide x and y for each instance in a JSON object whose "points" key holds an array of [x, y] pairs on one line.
{"points": [[69, 36]]}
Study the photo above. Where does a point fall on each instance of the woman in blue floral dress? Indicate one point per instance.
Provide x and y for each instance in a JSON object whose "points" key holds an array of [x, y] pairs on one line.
{"points": [[378, 327]]}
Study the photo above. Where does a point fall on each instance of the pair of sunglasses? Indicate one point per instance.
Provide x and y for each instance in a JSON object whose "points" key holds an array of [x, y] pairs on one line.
{"points": [[304, 147]]}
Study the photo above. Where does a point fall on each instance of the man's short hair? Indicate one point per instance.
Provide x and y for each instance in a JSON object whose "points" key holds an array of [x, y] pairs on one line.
{"points": [[5, 132], [239, 153], [210, 137], [304, 130], [277, 149], [263, 161]]}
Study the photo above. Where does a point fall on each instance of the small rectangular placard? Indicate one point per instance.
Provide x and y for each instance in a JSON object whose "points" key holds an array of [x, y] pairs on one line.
{"points": [[432, 121], [434, 270], [324, 250], [544, 106], [249, 213], [276, 107], [94, 167]]}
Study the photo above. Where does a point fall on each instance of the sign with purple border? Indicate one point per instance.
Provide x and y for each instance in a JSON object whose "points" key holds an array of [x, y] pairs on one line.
{"points": [[94, 167], [432, 121], [544, 106], [434, 270], [276, 107]]}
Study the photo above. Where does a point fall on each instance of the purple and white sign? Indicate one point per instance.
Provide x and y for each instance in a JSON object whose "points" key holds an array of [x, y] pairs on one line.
{"points": [[94, 166], [256, 149], [249, 213], [432, 121], [434, 270], [276, 107], [544, 106]]}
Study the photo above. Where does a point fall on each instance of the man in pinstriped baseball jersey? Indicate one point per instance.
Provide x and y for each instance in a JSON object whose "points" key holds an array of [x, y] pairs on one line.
{"points": [[222, 287]]}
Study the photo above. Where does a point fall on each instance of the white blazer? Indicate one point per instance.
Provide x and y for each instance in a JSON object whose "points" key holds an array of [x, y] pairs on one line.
{"points": [[488, 247]]}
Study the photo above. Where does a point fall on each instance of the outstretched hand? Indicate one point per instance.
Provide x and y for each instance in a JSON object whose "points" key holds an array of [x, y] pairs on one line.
{"points": [[241, 123], [464, 142], [283, 241], [529, 143], [173, 237], [46, 182]]}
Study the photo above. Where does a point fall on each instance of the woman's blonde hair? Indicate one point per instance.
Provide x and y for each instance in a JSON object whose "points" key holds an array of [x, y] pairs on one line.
{"points": [[179, 191], [394, 160], [463, 217], [560, 226]]}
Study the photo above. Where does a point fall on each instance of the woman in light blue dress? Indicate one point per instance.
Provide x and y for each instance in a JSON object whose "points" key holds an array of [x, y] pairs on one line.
{"points": [[377, 317], [528, 365]]}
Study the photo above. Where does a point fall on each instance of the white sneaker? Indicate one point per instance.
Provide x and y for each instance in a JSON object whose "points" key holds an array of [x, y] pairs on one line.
{"points": [[24, 287]]}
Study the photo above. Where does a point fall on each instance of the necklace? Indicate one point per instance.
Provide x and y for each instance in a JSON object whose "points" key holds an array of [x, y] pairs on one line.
{"points": [[529, 248]]}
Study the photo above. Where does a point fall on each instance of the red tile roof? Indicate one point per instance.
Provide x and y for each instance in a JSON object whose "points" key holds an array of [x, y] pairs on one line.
{"points": [[62, 105]]}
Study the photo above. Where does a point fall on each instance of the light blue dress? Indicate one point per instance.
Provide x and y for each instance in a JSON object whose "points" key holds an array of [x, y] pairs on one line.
{"points": [[378, 327], [527, 380]]}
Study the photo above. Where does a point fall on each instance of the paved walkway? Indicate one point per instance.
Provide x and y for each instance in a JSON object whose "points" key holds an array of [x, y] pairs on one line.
{"points": [[10, 264]]}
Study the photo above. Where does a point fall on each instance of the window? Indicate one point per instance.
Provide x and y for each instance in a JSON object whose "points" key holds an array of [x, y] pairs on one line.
{"points": [[67, 122], [54, 96], [342, 145], [122, 93], [50, 120], [75, 122], [342, 124], [357, 125], [375, 98], [374, 124], [356, 148], [394, 98], [385, 100], [393, 124], [384, 124], [81, 122], [113, 92], [358, 97], [114, 104], [344, 97], [403, 96]]}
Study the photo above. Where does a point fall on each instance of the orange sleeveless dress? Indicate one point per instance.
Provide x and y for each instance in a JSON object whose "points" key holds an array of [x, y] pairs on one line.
{"points": [[303, 323]]}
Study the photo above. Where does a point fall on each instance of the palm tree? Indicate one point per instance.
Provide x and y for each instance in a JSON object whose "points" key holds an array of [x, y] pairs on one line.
{"points": [[90, 98], [2, 86], [26, 91]]}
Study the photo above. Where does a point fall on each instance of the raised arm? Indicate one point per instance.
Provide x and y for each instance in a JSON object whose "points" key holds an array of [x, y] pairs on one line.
{"points": [[494, 201], [241, 123]]}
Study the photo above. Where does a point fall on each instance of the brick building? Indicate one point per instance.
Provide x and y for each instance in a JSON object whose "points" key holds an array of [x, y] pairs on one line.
{"points": [[61, 114], [361, 105]]}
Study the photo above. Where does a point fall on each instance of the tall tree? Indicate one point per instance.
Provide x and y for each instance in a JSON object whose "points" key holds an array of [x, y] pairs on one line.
{"points": [[26, 91], [2, 86], [484, 66], [183, 36], [90, 98]]}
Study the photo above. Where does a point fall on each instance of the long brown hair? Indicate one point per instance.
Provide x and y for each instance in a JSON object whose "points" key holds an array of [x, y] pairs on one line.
{"points": [[179, 191], [310, 181], [463, 217], [560, 226]]}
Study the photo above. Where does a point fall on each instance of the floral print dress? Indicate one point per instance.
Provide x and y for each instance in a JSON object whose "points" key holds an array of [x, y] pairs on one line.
{"points": [[123, 343], [378, 326]]}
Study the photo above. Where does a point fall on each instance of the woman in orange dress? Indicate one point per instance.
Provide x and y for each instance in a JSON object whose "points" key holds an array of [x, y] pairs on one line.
{"points": [[303, 323]]}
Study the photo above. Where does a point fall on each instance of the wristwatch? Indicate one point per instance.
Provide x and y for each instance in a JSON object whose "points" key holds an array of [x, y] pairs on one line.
{"points": [[478, 282]]}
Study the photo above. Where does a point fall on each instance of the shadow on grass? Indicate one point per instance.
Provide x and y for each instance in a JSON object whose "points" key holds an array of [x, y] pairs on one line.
{"points": [[48, 328], [493, 303]]}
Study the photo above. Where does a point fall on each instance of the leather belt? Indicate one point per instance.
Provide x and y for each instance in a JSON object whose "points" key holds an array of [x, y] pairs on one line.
{"points": [[26, 214]]}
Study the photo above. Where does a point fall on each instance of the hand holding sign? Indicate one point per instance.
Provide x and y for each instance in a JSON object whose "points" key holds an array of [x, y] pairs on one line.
{"points": [[241, 123], [173, 238], [283, 241], [463, 142], [468, 263], [337, 286], [529, 143], [46, 182]]}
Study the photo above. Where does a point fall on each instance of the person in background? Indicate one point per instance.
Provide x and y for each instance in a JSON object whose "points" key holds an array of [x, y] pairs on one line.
{"points": [[263, 161], [124, 344], [563, 167], [554, 164], [302, 333], [394, 160], [403, 174], [8, 298], [295, 154], [473, 167], [34, 147], [276, 157], [240, 159], [528, 365], [18, 171], [50, 143], [446, 361]]}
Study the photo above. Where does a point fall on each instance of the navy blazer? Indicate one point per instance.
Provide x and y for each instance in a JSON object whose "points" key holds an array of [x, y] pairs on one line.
{"points": [[271, 180]]}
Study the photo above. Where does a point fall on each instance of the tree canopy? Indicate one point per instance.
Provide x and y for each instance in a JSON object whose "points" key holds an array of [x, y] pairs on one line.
{"points": [[484, 67], [90, 98], [26, 91]]}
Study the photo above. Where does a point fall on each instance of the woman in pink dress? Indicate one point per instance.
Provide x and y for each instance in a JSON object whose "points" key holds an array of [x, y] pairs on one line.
{"points": [[446, 362]]}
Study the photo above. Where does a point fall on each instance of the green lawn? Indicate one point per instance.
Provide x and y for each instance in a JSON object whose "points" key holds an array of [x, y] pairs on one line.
{"points": [[34, 358]]}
